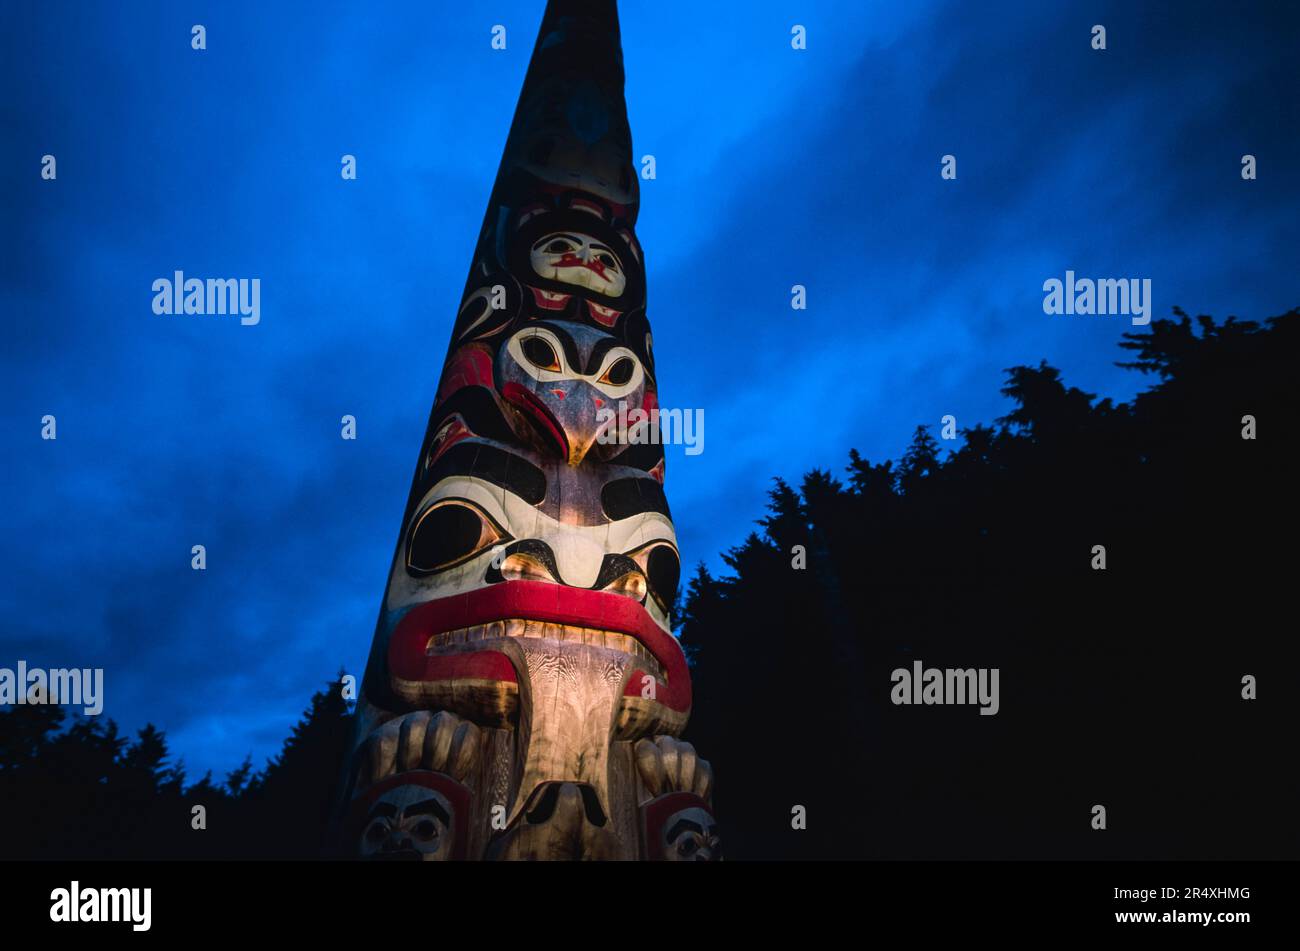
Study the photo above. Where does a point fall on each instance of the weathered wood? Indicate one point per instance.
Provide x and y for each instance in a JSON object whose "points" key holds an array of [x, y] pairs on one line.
{"points": [[524, 686]]}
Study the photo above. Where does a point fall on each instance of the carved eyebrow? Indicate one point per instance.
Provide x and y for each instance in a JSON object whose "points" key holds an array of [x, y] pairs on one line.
{"points": [[546, 239], [644, 456], [385, 809], [686, 824], [429, 807], [494, 465], [624, 498]]}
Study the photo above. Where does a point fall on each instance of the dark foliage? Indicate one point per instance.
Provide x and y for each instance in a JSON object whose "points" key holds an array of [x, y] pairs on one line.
{"points": [[86, 792], [1119, 687]]}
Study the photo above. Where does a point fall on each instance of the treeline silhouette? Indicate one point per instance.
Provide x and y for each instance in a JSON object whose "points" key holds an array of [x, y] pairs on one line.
{"points": [[1119, 687], [86, 791]]}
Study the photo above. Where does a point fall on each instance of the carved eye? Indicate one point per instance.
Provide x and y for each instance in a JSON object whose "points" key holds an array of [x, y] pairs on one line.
{"points": [[608, 260], [426, 829], [540, 354], [560, 246], [620, 372], [376, 832], [449, 533]]}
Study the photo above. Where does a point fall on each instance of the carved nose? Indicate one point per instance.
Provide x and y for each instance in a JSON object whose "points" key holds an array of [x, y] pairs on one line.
{"points": [[579, 560]]}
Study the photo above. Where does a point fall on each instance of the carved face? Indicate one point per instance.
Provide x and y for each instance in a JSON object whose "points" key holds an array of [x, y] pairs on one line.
{"points": [[533, 581], [411, 822], [576, 254], [576, 258], [504, 544], [517, 565], [691, 835], [565, 381], [516, 534]]}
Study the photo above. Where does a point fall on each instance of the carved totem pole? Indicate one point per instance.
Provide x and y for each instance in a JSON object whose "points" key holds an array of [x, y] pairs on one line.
{"points": [[524, 688]]}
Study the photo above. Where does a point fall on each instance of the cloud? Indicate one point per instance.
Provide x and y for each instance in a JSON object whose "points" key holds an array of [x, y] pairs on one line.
{"points": [[776, 167]]}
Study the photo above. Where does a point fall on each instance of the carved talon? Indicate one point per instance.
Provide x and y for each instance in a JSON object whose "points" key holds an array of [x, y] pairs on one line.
{"points": [[441, 742], [667, 764]]}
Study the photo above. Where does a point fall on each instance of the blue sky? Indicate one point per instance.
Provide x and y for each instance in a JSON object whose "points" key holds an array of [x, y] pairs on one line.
{"points": [[775, 167]]}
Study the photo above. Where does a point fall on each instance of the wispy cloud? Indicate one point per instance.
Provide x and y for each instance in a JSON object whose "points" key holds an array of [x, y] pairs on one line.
{"points": [[775, 167]]}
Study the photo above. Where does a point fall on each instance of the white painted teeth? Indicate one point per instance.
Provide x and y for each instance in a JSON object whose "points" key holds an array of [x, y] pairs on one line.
{"points": [[517, 627]]}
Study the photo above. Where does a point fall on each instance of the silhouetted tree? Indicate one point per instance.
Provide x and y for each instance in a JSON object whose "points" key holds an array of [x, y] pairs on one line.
{"points": [[1118, 686], [86, 792]]}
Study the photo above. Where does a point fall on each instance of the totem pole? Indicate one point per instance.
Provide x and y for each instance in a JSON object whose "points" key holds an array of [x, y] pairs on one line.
{"points": [[524, 689]]}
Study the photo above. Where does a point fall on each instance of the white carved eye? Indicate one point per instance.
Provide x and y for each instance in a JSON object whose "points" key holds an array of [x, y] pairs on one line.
{"points": [[619, 374], [560, 245], [448, 533], [539, 353]]}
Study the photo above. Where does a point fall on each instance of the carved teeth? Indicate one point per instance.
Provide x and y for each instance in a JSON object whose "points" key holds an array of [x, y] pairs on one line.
{"points": [[567, 633]]}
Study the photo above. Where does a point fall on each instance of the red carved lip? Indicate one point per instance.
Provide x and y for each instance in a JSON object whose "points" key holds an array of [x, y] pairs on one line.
{"points": [[408, 658], [538, 411], [569, 259]]}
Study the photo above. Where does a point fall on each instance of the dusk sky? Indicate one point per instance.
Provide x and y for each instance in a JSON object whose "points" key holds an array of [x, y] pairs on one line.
{"points": [[775, 167]]}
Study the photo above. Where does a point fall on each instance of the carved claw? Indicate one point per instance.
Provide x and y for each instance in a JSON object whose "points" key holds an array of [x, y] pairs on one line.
{"points": [[669, 765], [441, 742]]}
